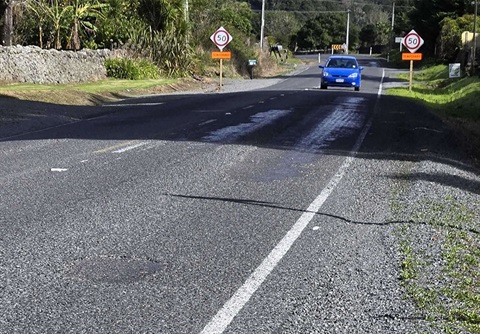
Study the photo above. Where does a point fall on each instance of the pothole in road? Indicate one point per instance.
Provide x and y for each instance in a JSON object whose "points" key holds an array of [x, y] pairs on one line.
{"points": [[113, 269]]}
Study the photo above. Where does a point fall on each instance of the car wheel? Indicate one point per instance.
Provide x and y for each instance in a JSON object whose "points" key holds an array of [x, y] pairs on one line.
{"points": [[322, 86], [357, 89]]}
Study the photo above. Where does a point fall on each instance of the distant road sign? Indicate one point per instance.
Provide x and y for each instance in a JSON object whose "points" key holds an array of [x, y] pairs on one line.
{"points": [[221, 38], [413, 41], [454, 70], [411, 56]]}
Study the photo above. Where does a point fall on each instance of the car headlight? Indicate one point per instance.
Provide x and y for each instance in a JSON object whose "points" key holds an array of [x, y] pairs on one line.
{"points": [[325, 74], [353, 75]]}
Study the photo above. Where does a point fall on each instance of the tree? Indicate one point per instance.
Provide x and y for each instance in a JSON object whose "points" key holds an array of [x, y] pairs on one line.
{"points": [[117, 22], [451, 36], [322, 32], [82, 15], [8, 27], [368, 35], [56, 14], [163, 15], [425, 18], [38, 9], [282, 26]]}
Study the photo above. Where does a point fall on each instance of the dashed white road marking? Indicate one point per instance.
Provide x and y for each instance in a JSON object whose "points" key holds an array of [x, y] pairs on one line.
{"points": [[133, 104], [131, 147], [248, 107], [59, 170], [207, 122]]}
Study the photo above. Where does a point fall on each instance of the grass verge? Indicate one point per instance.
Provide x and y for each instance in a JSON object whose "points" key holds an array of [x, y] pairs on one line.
{"points": [[455, 100], [93, 92], [443, 276], [439, 244], [452, 98]]}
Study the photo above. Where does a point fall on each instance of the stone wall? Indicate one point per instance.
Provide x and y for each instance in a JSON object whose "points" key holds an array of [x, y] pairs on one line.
{"points": [[35, 65]]}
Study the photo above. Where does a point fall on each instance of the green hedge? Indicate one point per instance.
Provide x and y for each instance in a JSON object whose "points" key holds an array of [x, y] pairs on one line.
{"points": [[125, 68]]}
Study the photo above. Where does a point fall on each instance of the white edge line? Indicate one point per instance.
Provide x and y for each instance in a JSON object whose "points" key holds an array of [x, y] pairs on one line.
{"points": [[380, 88], [234, 305]]}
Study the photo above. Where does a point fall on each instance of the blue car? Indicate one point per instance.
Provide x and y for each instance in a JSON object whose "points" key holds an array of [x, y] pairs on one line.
{"points": [[341, 71]]}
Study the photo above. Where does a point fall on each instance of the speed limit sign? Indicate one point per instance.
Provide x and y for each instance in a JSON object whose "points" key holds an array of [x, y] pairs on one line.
{"points": [[413, 41], [221, 38]]}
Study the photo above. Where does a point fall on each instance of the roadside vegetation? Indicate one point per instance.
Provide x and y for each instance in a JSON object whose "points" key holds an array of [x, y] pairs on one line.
{"points": [[145, 82], [452, 98], [175, 34], [441, 273], [440, 240], [456, 100]]}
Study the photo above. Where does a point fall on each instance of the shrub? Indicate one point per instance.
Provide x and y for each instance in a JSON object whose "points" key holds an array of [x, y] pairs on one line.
{"points": [[125, 68]]}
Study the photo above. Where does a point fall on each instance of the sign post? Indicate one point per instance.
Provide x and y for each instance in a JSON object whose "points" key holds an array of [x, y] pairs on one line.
{"points": [[221, 38], [412, 41]]}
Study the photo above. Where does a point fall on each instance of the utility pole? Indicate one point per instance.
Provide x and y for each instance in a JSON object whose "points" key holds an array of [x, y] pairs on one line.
{"points": [[262, 25], [474, 37], [391, 32], [393, 17], [348, 31]]}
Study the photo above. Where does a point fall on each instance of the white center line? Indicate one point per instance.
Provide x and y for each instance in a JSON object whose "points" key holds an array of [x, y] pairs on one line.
{"points": [[234, 305], [133, 104], [131, 147], [58, 169], [207, 122]]}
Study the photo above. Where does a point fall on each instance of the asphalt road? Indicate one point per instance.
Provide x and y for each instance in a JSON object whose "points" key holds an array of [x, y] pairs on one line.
{"points": [[265, 211]]}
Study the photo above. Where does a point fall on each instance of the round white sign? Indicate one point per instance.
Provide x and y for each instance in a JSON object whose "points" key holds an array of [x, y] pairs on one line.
{"points": [[221, 38], [413, 41]]}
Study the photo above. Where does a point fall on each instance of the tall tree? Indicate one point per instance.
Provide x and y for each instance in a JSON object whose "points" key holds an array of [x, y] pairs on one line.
{"points": [[427, 15], [162, 15], [282, 26], [37, 8], [323, 31], [8, 23], [56, 13], [82, 15]]}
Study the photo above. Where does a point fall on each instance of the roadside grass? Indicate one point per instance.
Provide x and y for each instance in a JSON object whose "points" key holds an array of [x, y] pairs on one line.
{"points": [[90, 93], [98, 92], [456, 101], [109, 85], [450, 98], [446, 289], [439, 247]]}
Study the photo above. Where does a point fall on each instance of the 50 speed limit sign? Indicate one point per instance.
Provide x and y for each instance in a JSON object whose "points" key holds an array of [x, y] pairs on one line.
{"points": [[221, 38], [413, 41]]}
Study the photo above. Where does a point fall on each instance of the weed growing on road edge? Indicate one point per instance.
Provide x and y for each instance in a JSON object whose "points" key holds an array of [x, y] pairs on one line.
{"points": [[446, 284]]}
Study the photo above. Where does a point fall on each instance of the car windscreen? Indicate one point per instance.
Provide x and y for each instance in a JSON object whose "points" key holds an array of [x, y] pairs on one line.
{"points": [[342, 63]]}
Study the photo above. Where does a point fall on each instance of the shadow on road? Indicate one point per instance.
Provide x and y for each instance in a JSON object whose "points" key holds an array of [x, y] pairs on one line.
{"points": [[401, 129]]}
